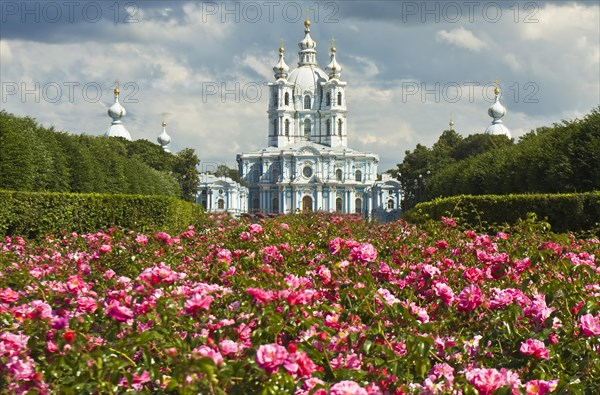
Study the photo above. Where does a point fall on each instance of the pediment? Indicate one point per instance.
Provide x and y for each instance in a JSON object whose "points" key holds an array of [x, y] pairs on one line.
{"points": [[306, 150]]}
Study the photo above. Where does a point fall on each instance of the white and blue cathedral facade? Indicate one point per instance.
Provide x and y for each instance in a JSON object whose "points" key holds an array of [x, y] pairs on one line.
{"points": [[222, 194], [307, 164]]}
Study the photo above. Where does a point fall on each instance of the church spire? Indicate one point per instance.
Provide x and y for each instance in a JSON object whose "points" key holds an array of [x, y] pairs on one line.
{"points": [[333, 69], [281, 69], [164, 139], [308, 53], [116, 112], [497, 111]]}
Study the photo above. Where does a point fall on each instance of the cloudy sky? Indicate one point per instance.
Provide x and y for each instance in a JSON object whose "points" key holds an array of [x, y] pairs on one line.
{"points": [[410, 66]]}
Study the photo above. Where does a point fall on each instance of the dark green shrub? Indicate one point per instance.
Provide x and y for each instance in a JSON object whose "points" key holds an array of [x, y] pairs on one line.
{"points": [[575, 212], [35, 214]]}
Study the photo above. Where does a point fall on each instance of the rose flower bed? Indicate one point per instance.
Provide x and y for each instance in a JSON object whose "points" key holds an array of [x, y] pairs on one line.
{"points": [[305, 304]]}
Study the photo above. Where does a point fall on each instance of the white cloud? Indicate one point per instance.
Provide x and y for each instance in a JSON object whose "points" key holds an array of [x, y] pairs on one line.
{"points": [[368, 68], [511, 60], [262, 65], [460, 37], [560, 23], [171, 60], [5, 51]]}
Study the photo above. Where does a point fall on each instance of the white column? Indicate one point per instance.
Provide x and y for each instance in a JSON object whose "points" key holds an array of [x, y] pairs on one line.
{"points": [[319, 201]]}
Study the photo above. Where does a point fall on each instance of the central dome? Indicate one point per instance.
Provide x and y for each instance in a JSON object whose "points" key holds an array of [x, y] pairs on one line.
{"points": [[307, 79]]}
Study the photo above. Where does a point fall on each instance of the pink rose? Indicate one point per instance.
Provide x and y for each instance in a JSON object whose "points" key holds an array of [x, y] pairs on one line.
{"points": [[364, 252], [270, 357], [445, 293], [540, 387], [255, 228], [21, 370], [208, 352], [535, 348], [347, 387], [105, 248], [229, 347], [486, 381], [85, 304], [298, 364], [118, 312], [7, 295], [590, 325], [197, 302], [469, 298]]}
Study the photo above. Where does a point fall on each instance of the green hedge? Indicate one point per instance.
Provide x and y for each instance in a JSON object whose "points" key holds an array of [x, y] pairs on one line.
{"points": [[35, 214], [564, 212]]}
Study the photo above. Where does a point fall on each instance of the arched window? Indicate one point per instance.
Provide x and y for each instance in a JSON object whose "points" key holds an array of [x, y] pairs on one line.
{"points": [[339, 97], [307, 129], [275, 174], [358, 206], [275, 99], [256, 175], [220, 204], [204, 204], [338, 204], [307, 102], [340, 127], [287, 127], [328, 99], [275, 206], [274, 127], [390, 205], [338, 174], [255, 205], [286, 99], [358, 176], [328, 123]]}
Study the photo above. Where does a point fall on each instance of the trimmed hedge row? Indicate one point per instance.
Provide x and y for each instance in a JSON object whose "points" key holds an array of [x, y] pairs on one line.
{"points": [[34, 214], [564, 212]]}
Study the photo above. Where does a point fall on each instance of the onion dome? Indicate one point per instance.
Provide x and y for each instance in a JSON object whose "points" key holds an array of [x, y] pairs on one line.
{"points": [[281, 69], [333, 69], [164, 139], [116, 112], [497, 111], [307, 54]]}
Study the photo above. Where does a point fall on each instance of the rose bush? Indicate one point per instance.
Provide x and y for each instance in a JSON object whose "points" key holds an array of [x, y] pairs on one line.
{"points": [[303, 304]]}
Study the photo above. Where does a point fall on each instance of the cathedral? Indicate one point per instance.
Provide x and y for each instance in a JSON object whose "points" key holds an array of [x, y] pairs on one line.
{"points": [[307, 164]]}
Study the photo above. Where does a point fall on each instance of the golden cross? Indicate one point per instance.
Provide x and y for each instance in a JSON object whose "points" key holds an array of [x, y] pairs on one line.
{"points": [[117, 83], [333, 41], [281, 42], [496, 81]]}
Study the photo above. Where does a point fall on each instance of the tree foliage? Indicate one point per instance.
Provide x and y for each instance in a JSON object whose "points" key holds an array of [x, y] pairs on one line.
{"points": [[186, 173], [224, 171], [562, 158], [34, 158]]}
